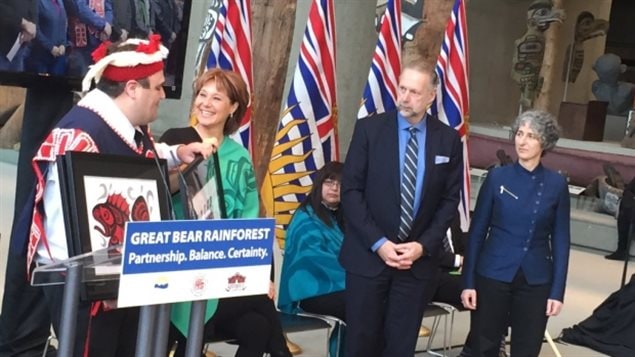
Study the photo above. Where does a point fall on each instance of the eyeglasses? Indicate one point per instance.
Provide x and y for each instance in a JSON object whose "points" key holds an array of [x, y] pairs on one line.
{"points": [[331, 183]]}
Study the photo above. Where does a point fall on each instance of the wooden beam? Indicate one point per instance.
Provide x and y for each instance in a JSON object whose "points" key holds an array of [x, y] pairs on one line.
{"points": [[429, 36], [273, 25], [545, 100]]}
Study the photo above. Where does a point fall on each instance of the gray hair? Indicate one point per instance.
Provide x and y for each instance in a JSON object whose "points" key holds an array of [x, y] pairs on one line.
{"points": [[543, 123], [417, 63]]}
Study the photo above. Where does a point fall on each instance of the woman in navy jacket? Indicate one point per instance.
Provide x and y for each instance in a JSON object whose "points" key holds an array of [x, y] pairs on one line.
{"points": [[518, 249]]}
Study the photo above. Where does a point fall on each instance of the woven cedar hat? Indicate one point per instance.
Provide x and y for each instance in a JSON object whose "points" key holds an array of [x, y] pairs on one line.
{"points": [[139, 62]]}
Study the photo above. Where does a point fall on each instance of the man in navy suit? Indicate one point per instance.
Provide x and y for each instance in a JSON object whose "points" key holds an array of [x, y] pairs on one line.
{"points": [[389, 270]]}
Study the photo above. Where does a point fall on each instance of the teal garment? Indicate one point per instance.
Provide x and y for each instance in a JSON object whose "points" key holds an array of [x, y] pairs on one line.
{"points": [[310, 267], [241, 201], [239, 180]]}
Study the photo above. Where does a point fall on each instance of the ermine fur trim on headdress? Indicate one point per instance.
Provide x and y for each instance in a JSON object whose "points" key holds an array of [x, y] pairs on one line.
{"points": [[146, 59]]}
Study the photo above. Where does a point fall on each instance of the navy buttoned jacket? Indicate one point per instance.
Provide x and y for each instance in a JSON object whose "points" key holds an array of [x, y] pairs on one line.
{"points": [[521, 221]]}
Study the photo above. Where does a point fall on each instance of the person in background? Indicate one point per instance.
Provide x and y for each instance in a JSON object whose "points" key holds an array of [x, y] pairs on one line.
{"points": [[624, 222], [143, 18], [515, 269], [395, 219], [89, 24], [449, 286], [221, 99], [48, 51], [18, 27], [167, 21], [312, 279], [122, 12]]}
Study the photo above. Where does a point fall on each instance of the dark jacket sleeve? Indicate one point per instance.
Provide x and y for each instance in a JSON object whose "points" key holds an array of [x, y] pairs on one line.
{"points": [[560, 243], [478, 229], [447, 207], [447, 260], [86, 15], [11, 14], [356, 210]]}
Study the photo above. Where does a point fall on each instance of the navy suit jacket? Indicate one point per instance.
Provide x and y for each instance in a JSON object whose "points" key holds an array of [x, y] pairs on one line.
{"points": [[371, 194], [521, 221]]}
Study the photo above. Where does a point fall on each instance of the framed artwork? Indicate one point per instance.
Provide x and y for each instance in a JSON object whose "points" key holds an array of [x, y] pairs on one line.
{"points": [[100, 193], [201, 189]]}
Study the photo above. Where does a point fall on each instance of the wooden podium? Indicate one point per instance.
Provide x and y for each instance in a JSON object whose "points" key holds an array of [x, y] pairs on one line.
{"points": [[583, 121]]}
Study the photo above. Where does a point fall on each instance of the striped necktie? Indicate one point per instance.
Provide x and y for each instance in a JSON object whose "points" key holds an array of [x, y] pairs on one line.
{"points": [[408, 182]]}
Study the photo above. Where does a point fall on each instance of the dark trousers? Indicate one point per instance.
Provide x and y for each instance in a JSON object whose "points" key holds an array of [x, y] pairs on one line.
{"points": [[519, 304], [251, 320], [624, 222], [333, 304], [25, 322], [110, 333], [449, 289], [383, 313]]}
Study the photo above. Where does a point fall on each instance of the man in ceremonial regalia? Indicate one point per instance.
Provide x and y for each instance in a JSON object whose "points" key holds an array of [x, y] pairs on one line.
{"points": [[113, 118]]}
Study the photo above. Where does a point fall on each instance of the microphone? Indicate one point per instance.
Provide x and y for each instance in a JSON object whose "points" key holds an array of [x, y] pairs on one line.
{"points": [[183, 188], [162, 173]]}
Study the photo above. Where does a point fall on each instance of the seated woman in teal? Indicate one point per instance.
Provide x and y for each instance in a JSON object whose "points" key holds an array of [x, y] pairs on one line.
{"points": [[312, 279]]}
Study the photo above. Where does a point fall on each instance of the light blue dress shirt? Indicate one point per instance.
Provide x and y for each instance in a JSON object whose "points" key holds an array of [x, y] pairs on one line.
{"points": [[404, 135]]}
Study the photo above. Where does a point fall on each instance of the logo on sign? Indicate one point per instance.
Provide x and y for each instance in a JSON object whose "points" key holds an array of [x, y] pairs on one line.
{"points": [[236, 282], [199, 286], [161, 283]]}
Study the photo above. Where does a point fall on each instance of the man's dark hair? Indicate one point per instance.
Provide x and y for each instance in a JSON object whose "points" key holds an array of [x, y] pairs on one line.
{"points": [[114, 89]]}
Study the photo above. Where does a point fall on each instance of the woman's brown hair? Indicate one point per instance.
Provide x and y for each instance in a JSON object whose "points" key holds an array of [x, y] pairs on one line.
{"points": [[231, 84]]}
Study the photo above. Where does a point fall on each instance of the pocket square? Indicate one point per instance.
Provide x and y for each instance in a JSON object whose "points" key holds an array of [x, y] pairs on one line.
{"points": [[441, 159]]}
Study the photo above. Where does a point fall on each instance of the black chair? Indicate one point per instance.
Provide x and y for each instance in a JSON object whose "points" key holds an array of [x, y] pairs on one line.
{"points": [[437, 310], [333, 323]]}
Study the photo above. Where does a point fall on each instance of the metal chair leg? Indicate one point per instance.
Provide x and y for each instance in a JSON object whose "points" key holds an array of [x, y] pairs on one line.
{"points": [[48, 344], [447, 333], [433, 331]]}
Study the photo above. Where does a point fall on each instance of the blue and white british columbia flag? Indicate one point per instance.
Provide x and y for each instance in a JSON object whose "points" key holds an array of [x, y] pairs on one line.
{"points": [[231, 50], [307, 133], [452, 104], [380, 92]]}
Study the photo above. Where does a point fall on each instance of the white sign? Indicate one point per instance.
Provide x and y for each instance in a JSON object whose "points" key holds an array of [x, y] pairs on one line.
{"points": [[175, 261]]}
